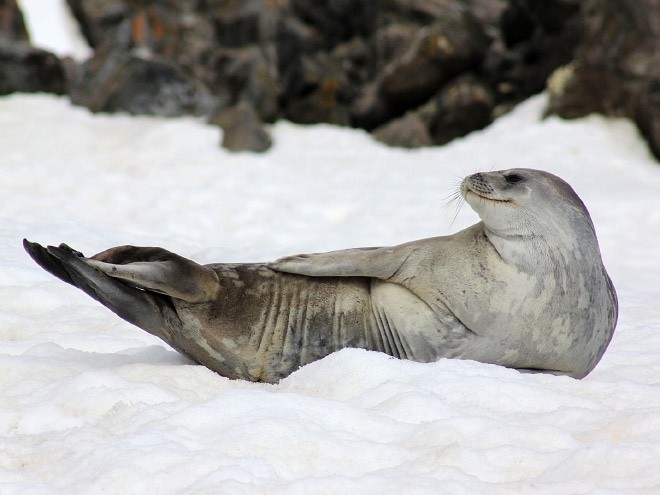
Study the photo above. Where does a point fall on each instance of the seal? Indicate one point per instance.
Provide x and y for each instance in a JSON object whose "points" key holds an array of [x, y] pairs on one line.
{"points": [[524, 288]]}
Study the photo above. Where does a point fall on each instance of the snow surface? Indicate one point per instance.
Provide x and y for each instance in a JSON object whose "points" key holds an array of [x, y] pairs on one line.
{"points": [[52, 27], [90, 404]]}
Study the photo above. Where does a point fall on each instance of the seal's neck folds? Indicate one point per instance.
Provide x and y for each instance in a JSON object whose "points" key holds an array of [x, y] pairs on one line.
{"points": [[547, 246]]}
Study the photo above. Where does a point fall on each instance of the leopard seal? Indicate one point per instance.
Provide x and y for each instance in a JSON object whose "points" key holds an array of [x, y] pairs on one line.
{"points": [[523, 288]]}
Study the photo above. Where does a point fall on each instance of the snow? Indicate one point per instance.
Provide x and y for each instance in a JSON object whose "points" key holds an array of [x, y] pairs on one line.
{"points": [[52, 27], [90, 404]]}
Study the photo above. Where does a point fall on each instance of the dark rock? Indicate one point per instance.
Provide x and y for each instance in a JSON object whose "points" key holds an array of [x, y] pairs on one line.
{"points": [[552, 15], [293, 39], [242, 129], [370, 110], [488, 13], [27, 69], [452, 44], [576, 91], [320, 106], [177, 32], [418, 11], [338, 20], [12, 26], [246, 22], [536, 38], [522, 20], [156, 86], [118, 78], [98, 18], [408, 131], [248, 73], [321, 98], [647, 115], [156, 29], [238, 23], [417, 71], [392, 41], [621, 37], [355, 59], [616, 67], [517, 24], [169, 28], [24, 68], [464, 105], [320, 86]]}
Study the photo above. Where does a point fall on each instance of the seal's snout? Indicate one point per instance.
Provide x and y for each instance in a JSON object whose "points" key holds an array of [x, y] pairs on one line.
{"points": [[479, 185]]}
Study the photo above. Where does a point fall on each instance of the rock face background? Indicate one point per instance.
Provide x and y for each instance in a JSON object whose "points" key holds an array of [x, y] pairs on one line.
{"points": [[23, 67], [412, 72]]}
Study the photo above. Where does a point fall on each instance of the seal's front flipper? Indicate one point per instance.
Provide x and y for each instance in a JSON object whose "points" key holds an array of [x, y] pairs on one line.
{"points": [[159, 270], [377, 262]]}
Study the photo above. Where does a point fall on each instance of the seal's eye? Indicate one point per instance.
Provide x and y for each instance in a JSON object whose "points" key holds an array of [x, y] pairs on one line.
{"points": [[513, 178]]}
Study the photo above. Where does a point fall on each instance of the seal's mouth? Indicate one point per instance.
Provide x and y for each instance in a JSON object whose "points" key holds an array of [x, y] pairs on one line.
{"points": [[468, 190]]}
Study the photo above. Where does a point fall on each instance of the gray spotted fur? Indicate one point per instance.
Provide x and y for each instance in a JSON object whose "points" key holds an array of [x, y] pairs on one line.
{"points": [[524, 288]]}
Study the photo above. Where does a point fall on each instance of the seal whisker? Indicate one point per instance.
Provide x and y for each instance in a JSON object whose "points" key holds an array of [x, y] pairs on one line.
{"points": [[456, 201]]}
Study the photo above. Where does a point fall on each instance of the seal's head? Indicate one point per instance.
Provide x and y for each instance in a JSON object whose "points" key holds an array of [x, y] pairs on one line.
{"points": [[550, 266], [525, 203]]}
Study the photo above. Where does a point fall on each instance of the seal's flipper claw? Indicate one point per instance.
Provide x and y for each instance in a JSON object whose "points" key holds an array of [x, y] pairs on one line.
{"points": [[70, 249], [47, 261]]}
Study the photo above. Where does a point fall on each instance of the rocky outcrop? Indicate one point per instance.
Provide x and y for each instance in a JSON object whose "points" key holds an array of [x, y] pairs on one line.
{"points": [[416, 72], [12, 26], [242, 129], [23, 67], [122, 77], [413, 72], [464, 105], [616, 68], [536, 38], [27, 69]]}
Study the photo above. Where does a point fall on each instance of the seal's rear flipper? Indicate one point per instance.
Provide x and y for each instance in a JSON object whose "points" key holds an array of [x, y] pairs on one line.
{"points": [[49, 263], [150, 312]]}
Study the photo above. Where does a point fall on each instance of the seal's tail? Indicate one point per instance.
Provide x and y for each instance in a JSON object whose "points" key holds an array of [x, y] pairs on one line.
{"points": [[150, 311]]}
